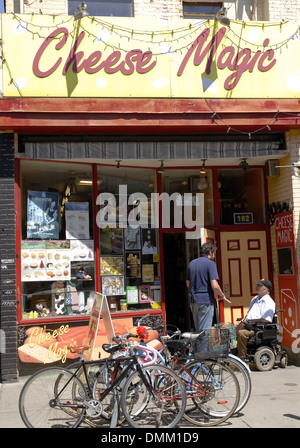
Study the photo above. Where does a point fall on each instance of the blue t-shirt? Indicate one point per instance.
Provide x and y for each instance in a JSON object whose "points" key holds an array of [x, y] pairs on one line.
{"points": [[200, 272]]}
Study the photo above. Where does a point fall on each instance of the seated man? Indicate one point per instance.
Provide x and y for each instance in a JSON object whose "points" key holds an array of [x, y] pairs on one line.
{"points": [[261, 309]]}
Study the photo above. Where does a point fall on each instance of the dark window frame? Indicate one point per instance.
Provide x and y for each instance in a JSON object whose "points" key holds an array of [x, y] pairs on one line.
{"points": [[197, 13], [112, 8], [285, 261]]}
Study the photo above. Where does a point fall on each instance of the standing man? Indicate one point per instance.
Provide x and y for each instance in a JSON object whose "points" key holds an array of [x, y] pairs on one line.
{"points": [[261, 309], [202, 281]]}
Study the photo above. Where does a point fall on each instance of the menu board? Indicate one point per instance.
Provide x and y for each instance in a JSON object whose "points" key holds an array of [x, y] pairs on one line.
{"points": [[77, 220], [45, 260], [132, 295]]}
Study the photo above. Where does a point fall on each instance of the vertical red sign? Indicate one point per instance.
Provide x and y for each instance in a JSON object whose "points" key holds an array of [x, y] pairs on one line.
{"points": [[287, 275]]}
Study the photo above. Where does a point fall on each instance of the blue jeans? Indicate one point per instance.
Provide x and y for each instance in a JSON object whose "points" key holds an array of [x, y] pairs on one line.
{"points": [[203, 317]]}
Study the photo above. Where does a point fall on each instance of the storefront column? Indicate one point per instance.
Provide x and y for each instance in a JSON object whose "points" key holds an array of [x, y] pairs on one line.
{"points": [[8, 313]]}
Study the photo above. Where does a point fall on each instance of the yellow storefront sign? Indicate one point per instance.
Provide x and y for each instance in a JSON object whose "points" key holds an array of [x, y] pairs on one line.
{"points": [[104, 57]]}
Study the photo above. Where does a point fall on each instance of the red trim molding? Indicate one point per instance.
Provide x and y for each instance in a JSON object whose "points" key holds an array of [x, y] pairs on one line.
{"points": [[106, 115]]}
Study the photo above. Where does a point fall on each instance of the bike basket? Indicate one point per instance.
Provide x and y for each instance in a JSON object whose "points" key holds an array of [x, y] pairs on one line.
{"points": [[211, 343], [232, 330]]}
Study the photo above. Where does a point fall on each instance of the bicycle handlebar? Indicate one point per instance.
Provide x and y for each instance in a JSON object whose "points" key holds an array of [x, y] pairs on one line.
{"points": [[148, 350], [122, 343], [143, 317]]}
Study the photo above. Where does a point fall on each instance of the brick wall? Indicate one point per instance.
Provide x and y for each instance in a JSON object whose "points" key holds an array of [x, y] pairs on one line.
{"points": [[165, 9], [284, 10], [39, 6], [8, 323], [267, 10]]}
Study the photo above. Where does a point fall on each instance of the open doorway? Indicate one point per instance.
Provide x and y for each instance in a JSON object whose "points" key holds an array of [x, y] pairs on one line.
{"points": [[178, 252]]}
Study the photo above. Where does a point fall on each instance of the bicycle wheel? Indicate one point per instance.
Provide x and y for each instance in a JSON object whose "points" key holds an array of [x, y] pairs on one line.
{"points": [[103, 379], [212, 393], [96, 416], [243, 376], [41, 407], [154, 397]]}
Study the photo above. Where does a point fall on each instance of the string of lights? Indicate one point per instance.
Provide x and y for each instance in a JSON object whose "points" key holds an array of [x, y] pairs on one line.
{"points": [[215, 116], [219, 121], [171, 37]]}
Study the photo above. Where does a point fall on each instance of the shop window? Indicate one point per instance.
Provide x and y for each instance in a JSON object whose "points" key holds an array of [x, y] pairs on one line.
{"points": [[57, 247], [241, 196], [285, 261], [129, 249], [189, 181], [115, 8], [204, 10]]}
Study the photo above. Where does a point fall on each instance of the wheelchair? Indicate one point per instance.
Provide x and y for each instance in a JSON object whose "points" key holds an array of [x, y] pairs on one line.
{"points": [[264, 348]]}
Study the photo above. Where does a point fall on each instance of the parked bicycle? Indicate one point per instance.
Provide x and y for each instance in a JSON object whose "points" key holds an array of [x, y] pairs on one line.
{"points": [[212, 388], [151, 396], [238, 366]]}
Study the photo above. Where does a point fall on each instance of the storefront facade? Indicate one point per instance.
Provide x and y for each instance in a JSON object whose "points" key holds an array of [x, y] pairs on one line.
{"points": [[87, 149]]}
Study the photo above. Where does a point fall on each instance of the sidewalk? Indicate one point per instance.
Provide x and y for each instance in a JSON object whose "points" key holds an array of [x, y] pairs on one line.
{"points": [[274, 402]]}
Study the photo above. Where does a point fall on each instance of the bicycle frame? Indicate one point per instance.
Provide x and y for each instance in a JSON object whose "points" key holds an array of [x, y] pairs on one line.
{"points": [[198, 389], [188, 382], [132, 363]]}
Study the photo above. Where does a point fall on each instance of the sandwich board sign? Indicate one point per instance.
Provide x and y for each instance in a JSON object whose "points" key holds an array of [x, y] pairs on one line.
{"points": [[100, 310]]}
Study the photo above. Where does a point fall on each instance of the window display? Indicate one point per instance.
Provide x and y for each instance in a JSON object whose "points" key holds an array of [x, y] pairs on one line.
{"points": [[57, 247], [129, 260], [55, 293], [57, 243], [124, 271]]}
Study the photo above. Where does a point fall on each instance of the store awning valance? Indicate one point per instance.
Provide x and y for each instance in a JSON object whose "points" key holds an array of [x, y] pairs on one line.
{"points": [[207, 147]]}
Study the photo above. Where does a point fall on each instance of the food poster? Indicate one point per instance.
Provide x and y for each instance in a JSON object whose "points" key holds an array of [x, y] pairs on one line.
{"points": [[133, 264], [112, 265], [144, 294], [82, 250], [149, 244], [113, 285], [42, 214], [132, 238], [148, 273], [43, 345], [45, 260], [77, 220], [111, 241]]}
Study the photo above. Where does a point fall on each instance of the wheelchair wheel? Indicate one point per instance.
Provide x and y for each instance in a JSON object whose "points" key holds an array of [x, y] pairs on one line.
{"points": [[264, 359], [283, 360]]}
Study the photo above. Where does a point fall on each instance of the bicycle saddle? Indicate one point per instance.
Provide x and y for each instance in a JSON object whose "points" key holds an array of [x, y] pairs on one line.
{"points": [[78, 349], [110, 348], [191, 336]]}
